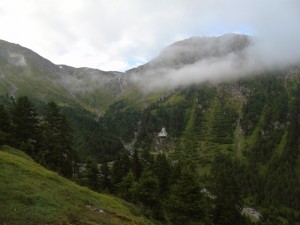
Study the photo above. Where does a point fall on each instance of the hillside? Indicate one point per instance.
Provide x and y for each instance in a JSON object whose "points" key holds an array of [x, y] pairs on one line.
{"points": [[30, 194], [194, 49], [246, 125], [24, 72], [253, 120]]}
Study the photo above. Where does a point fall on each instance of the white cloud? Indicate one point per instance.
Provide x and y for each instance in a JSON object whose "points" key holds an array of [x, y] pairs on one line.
{"points": [[119, 33]]}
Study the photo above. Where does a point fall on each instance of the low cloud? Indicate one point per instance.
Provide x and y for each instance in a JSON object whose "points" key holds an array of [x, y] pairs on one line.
{"points": [[213, 59], [117, 35], [17, 60]]}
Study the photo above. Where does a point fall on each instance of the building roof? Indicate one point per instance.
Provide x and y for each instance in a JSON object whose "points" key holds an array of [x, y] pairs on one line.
{"points": [[163, 133]]}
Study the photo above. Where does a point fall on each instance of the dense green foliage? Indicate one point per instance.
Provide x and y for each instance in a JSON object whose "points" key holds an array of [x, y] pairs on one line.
{"points": [[172, 194], [30, 194], [230, 145], [120, 120], [242, 139], [89, 138], [253, 121], [47, 136]]}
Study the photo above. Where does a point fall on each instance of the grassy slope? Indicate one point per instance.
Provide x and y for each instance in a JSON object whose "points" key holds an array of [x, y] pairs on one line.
{"points": [[30, 194]]}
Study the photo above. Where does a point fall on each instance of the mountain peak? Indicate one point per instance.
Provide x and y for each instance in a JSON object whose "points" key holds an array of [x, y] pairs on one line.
{"points": [[193, 49]]}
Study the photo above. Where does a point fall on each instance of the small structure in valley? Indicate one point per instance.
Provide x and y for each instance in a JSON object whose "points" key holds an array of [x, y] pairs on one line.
{"points": [[161, 140], [163, 133]]}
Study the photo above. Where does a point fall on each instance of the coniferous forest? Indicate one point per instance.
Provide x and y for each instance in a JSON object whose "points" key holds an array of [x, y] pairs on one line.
{"points": [[169, 187], [85, 146]]}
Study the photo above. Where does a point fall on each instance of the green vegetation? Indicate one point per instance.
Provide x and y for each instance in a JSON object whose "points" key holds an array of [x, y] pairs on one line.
{"points": [[84, 128], [202, 122], [30, 194], [229, 145]]}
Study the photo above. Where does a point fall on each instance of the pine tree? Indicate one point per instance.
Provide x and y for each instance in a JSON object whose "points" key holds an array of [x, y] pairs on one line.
{"points": [[137, 167], [147, 190], [56, 150], [120, 169], [92, 173], [125, 188], [185, 202], [5, 126], [25, 125], [105, 183], [162, 170], [228, 203], [147, 159]]}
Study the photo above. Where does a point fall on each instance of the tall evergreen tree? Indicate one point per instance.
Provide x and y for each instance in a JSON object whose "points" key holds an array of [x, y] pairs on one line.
{"points": [[185, 202], [57, 152], [25, 125], [105, 183], [146, 192], [92, 173], [228, 203], [162, 170], [125, 188], [147, 159], [120, 169], [5, 126], [137, 167]]}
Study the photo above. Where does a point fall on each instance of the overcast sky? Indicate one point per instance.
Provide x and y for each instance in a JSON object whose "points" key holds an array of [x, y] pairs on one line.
{"points": [[118, 35]]}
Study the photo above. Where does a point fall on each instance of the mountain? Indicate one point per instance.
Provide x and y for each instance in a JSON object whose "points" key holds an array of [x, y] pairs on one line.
{"points": [[30, 194], [251, 119], [195, 49], [82, 93], [23, 72]]}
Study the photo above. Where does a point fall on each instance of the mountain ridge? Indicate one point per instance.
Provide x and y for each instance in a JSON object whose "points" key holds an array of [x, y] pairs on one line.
{"points": [[22, 69], [82, 85], [251, 121]]}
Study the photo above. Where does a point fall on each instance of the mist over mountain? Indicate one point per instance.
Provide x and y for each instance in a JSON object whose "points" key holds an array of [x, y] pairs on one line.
{"points": [[243, 121], [215, 59], [184, 63], [24, 72]]}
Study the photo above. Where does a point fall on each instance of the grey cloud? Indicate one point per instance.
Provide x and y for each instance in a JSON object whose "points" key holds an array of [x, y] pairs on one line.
{"points": [[17, 59], [210, 59], [128, 31]]}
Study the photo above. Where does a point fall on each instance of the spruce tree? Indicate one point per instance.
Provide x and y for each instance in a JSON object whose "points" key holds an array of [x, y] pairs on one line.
{"points": [[5, 126], [162, 170], [25, 125], [120, 169], [147, 159], [125, 188], [57, 152], [92, 174], [147, 190], [185, 202], [105, 183], [146, 193], [228, 203], [137, 167]]}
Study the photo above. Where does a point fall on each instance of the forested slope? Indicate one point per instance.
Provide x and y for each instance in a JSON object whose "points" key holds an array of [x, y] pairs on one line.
{"points": [[254, 120], [30, 194]]}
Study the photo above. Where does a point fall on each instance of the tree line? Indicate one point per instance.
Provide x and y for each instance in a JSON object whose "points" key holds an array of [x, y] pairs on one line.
{"points": [[47, 137], [167, 191]]}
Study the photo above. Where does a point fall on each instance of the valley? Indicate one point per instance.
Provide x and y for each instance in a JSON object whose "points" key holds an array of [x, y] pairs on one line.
{"points": [[237, 136]]}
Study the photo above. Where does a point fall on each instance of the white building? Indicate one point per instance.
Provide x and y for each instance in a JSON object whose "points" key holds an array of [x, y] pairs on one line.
{"points": [[163, 133]]}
